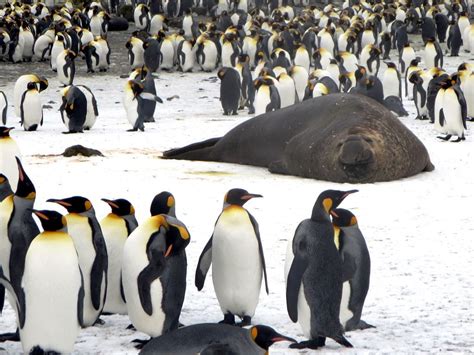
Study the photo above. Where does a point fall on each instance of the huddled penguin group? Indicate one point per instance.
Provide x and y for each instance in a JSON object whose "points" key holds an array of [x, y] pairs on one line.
{"points": [[121, 266]]}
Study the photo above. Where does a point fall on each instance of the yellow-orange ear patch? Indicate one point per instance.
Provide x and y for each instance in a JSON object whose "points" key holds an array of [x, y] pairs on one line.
{"points": [[88, 205], [132, 210], [327, 204], [170, 201], [254, 333], [353, 221]]}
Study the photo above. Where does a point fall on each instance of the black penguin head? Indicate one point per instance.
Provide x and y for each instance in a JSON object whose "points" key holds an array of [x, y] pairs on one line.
{"points": [[120, 207], [75, 204], [163, 203], [5, 131], [327, 201], [390, 65], [238, 197], [415, 62], [25, 188], [265, 336], [43, 83], [51, 220], [31, 86], [360, 72], [343, 218], [177, 236]]}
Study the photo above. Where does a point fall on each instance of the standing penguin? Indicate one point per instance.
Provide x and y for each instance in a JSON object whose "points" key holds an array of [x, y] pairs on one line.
{"points": [[207, 55], [370, 58], [286, 89], [133, 103], [408, 84], [433, 54], [136, 51], [406, 56], [392, 82], [9, 151], [31, 110], [454, 41], [92, 110], [116, 227], [315, 278], [74, 104], [49, 320], [3, 108], [236, 253], [66, 67], [22, 84], [452, 117], [267, 97], [186, 56], [356, 260], [230, 90], [90, 245], [153, 275]]}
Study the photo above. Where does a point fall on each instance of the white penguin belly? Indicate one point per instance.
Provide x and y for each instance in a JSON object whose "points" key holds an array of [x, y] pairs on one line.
{"points": [[452, 114], [262, 99], [115, 235], [40, 46], [32, 110], [167, 52], [131, 107], [63, 78], [134, 261], [390, 84], [57, 49], [302, 59], [469, 95], [137, 57], [236, 265], [80, 231], [344, 312], [304, 313], [6, 208], [437, 107], [210, 52], [227, 51], [429, 57], [189, 61], [51, 282], [8, 166], [287, 92]]}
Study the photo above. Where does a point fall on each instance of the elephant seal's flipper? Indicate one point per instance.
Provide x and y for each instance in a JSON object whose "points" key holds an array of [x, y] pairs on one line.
{"points": [[194, 151]]}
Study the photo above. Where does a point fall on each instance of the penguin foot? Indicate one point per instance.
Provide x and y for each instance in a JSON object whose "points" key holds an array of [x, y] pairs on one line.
{"points": [[310, 344], [471, 119], [98, 321], [140, 343], [131, 327], [363, 325], [10, 336], [247, 320], [457, 140], [229, 318], [132, 130], [149, 119], [343, 341], [445, 138]]}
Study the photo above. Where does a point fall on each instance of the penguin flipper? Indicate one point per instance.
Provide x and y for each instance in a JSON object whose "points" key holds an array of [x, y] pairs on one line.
{"points": [[2, 298], [8, 286], [22, 111], [122, 292], [100, 264], [295, 277], [150, 97], [340, 339], [204, 263], [348, 267], [442, 120], [155, 268], [260, 249], [80, 301]]}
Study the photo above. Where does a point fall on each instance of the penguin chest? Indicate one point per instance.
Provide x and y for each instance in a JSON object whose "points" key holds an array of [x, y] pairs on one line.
{"points": [[438, 105], [6, 209], [115, 235], [130, 103], [167, 54], [391, 84], [262, 99], [286, 89], [452, 113], [227, 55], [302, 58], [32, 109], [430, 54], [344, 312], [236, 264], [51, 282], [210, 53]]}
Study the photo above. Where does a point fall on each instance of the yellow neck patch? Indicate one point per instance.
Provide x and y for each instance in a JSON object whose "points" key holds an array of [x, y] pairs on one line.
{"points": [[337, 233]]}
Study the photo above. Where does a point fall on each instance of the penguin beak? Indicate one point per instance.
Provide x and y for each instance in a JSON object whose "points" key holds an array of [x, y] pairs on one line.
{"points": [[21, 171], [8, 129], [168, 251], [348, 193], [59, 202], [40, 215], [250, 196], [110, 203]]}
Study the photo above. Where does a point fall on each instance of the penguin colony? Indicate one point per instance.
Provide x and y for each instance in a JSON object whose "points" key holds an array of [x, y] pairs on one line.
{"points": [[117, 265], [283, 54]]}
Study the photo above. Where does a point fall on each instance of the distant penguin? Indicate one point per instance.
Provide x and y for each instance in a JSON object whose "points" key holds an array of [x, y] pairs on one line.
{"points": [[116, 227], [186, 56], [133, 102], [468, 90], [238, 264], [92, 110], [437, 77], [213, 339], [43, 44], [73, 109], [356, 267], [141, 16], [428, 29], [21, 85], [83, 227], [207, 54], [322, 57], [454, 41], [9, 151], [407, 55], [31, 109], [385, 45], [154, 279], [247, 96], [302, 57], [230, 90], [433, 54], [300, 77], [66, 67], [60, 44], [452, 117], [230, 51], [136, 50], [315, 278], [267, 97], [157, 23], [370, 59], [3, 108], [392, 82], [51, 264], [348, 61], [408, 84]]}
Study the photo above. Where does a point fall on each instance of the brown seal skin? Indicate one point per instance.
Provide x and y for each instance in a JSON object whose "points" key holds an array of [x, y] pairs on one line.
{"points": [[339, 137]]}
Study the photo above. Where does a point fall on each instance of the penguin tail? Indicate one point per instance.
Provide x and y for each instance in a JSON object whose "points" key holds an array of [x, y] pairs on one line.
{"points": [[340, 339], [194, 151]]}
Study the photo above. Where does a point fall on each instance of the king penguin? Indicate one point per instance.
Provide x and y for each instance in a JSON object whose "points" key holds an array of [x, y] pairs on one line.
{"points": [[230, 90], [356, 260], [21, 85], [8, 152], [392, 82], [91, 249], [66, 67], [154, 285], [3, 108], [315, 277], [452, 117], [236, 253], [49, 307], [31, 110], [116, 227], [74, 104]]}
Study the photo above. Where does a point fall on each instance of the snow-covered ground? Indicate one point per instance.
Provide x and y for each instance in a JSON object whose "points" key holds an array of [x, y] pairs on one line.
{"points": [[419, 230]]}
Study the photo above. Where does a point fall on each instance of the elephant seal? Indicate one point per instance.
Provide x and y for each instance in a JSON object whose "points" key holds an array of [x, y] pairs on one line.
{"points": [[339, 137]]}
